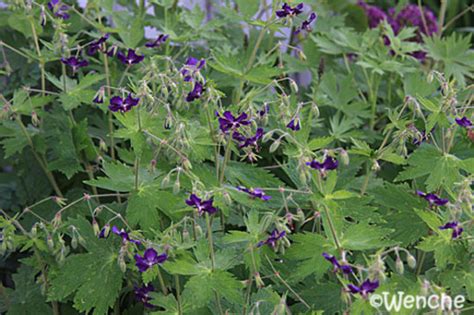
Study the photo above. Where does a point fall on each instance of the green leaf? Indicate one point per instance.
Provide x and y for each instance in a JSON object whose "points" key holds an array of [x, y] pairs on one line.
{"points": [[320, 143], [248, 7], [142, 208], [363, 236]]}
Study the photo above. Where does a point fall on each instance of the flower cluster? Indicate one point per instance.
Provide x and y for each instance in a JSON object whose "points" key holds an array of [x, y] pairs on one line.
{"points": [[97, 45], [201, 206]]}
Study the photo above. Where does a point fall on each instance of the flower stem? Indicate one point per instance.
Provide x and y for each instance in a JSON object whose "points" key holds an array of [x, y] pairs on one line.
{"points": [[213, 257], [178, 294]]}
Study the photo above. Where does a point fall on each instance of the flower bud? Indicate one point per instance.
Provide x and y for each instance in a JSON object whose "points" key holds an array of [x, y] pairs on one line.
{"points": [[35, 119], [301, 55], [293, 86], [411, 261], [166, 181], [122, 264], [275, 145], [186, 237], [344, 157], [95, 227], [103, 146], [187, 165], [399, 266], [227, 198], [81, 240], [57, 220], [176, 187], [50, 242], [258, 281], [375, 166], [74, 242], [199, 232]]}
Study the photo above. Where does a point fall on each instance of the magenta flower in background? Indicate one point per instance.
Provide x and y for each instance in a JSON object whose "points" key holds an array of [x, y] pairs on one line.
{"points": [[433, 199], [455, 226], [374, 14], [149, 259], [75, 63], [131, 58]]}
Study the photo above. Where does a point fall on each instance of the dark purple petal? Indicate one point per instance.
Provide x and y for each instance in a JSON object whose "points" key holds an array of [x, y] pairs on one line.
{"points": [[455, 226], [130, 58], [142, 294], [294, 124], [464, 122], [195, 93]]}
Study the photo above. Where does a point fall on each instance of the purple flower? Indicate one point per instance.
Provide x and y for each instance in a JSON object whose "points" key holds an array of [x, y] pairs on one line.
{"points": [[74, 63], [161, 39], [328, 164], [149, 259], [141, 294], [59, 9], [200, 205], [464, 122], [191, 67], [455, 226], [117, 104], [255, 193], [306, 25], [287, 10], [294, 124], [272, 239], [365, 288], [265, 110], [337, 265], [229, 122], [97, 45], [374, 14], [124, 235], [131, 58], [196, 93], [248, 142], [433, 199]]}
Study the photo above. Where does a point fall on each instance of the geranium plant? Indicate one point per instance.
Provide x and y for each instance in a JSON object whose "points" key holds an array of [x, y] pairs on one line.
{"points": [[234, 157]]}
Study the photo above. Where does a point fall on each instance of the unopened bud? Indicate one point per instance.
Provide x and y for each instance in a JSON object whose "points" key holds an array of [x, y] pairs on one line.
{"points": [[35, 119], [301, 55], [258, 281], [198, 231], [315, 109], [74, 242], [57, 220], [275, 145], [411, 261], [293, 86], [187, 165], [95, 227], [375, 166], [399, 266], [344, 157], [186, 237], [122, 264], [166, 181], [50, 242], [176, 187], [227, 198], [103, 146]]}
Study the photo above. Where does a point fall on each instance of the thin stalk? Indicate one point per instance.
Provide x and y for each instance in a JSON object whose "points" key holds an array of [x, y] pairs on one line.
{"points": [[442, 16], [38, 51], [332, 228], [162, 283], [213, 257], [178, 294]]}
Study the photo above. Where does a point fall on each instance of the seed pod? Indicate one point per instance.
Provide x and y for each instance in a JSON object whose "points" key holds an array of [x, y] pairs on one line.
{"points": [[95, 227], [411, 261], [399, 266]]}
